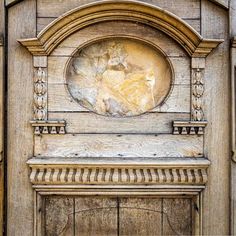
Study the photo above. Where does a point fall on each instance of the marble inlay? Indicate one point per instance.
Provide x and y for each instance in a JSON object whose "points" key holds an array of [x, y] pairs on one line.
{"points": [[119, 77]]}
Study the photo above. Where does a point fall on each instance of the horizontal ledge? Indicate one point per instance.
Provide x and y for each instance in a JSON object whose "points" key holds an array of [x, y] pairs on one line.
{"points": [[190, 123], [114, 190], [189, 127], [118, 162], [118, 171], [88, 189], [48, 126], [48, 123]]}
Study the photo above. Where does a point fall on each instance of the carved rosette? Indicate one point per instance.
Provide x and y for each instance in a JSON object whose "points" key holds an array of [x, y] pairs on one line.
{"points": [[197, 94], [40, 93]]}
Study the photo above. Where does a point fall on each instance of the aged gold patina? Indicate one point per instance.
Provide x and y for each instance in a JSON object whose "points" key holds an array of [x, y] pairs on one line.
{"points": [[119, 77]]}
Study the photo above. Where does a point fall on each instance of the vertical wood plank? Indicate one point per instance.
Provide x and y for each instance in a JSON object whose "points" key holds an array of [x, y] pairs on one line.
{"points": [[140, 216], [21, 24], [232, 11], [177, 216], [1, 134], [59, 216], [95, 216], [217, 136], [55, 8], [2, 28], [2, 18]]}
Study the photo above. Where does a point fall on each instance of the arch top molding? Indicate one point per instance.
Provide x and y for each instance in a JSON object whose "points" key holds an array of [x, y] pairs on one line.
{"points": [[49, 38]]}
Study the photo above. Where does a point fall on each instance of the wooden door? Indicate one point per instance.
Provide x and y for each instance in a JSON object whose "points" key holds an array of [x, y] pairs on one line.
{"points": [[117, 117], [118, 216]]}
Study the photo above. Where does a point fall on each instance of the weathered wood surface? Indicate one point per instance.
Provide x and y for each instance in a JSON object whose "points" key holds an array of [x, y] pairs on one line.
{"points": [[99, 215], [57, 66], [233, 115], [217, 112], [47, 8], [1, 131], [42, 22], [96, 216], [59, 216], [115, 145], [60, 100], [130, 29], [177, 219], [87, 122], [233, 121], [140, 216], [222, 3], [2, 97], [21, 24]]}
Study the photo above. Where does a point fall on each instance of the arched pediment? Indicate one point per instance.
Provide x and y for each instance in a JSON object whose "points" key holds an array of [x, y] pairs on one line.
{"points": [[194, 44]]}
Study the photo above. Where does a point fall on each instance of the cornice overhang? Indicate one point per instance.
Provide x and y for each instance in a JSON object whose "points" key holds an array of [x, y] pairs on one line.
{"points": [[49, 38], [103, 171]]}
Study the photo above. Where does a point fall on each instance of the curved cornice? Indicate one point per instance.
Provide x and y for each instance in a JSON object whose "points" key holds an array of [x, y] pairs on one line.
{"points": [[74, 20]]}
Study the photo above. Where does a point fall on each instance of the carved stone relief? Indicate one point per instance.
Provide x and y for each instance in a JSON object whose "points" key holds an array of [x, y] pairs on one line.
{"points": [[119, 77]]}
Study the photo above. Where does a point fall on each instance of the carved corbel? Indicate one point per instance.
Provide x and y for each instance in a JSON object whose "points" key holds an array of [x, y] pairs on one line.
{"points": [[40, 121], [197, 123]]}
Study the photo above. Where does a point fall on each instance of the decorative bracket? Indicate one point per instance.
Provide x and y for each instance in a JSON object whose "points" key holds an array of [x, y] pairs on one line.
{"points": [[197, 123], [40, 123], [48, 127], [189, 127]]}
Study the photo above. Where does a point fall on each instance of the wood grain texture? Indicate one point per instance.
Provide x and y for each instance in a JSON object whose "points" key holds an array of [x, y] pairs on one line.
{"points": [[57, 66], [128, 28], [232, 18], [1, 131], [217, 112], [95, 216], [2, 19], [47, 8], [87, 122], [115, 145], [11, 2], [21, 24], [60, 100], [222, 3], [2, 99], [140, 216], [177, 219], [233, 121], [59, 216], [233, 144], [42, 22]]}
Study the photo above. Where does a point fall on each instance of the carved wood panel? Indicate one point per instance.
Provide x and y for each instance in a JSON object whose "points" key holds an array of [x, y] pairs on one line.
{"points": [[124, 82], [118, 216]]}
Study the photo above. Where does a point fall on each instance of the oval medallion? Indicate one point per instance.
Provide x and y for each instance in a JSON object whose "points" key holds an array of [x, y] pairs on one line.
{"points": [[119, 77]]}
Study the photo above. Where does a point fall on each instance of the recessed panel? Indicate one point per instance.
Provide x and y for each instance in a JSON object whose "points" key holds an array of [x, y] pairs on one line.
{"points": [[119, 77]]}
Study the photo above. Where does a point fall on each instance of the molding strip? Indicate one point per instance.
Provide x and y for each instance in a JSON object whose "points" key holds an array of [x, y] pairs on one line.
{"points": [[189, 127], [173, 171], [76, 19], [48, 127]]}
